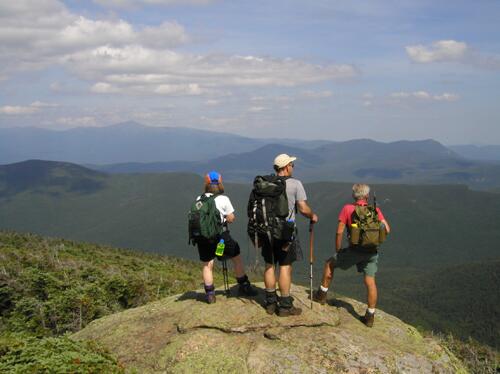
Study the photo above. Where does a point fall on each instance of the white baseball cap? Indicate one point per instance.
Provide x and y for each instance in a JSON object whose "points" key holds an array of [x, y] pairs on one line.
{"points": [[283, 160]]}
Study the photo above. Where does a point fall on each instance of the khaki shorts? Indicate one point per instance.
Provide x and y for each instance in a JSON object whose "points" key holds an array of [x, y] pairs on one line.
{"points": [[365, 262]]}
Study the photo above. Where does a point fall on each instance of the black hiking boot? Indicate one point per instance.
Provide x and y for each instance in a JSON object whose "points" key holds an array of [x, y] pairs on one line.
{"points": [[320, 296], [246, 289], [368, 319], [210, 294], [210, 298], [286, 308], [271, 304]]}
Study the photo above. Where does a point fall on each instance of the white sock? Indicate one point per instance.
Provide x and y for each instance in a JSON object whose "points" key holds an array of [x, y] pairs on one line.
{"points": [[324, 289], [371, 310]]}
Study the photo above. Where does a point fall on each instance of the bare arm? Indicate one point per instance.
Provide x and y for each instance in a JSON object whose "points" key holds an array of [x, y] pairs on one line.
{"points": [[338, 237], [387, 227], [306, 210]]}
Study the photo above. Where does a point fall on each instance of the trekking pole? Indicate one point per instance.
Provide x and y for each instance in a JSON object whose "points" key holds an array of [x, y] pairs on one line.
{"points": [[224, 274], [311, 259]]}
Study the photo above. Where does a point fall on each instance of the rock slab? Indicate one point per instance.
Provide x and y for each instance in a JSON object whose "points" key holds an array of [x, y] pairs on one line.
{"points": [[182, 334]]}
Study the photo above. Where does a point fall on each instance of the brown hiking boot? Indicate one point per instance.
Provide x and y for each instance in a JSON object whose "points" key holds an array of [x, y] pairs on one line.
{"points": [[286, 307], [320, 296], [286, 312], [368, 319], [271, 308]]}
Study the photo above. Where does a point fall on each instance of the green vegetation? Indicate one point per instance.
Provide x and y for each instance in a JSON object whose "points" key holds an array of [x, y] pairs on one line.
{"points": [[49, 287], [438, 269], [21, 353], [461, 300], [478, 358]]}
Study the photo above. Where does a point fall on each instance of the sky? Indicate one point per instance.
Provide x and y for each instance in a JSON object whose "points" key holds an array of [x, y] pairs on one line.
{"points": [[334, 70]]}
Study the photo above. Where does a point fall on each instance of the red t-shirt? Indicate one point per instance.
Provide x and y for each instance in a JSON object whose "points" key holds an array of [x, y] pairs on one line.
{"points": [[348, 209]]}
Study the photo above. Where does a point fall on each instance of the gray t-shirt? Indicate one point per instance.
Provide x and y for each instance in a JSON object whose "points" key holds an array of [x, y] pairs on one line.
{"points": [[294, 192]]}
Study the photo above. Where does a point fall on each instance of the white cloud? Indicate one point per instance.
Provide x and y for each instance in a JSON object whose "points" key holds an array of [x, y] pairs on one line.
{"points": [[101, 87], [46, 34], [317, 94], [166, 35], [255, 109], [16, 110], [439, 51], [77, 121], [22, 110], [423, 96], [137, 3], [40, 104], [179, 89], [139, 69], [115, 56], [452, 51]]}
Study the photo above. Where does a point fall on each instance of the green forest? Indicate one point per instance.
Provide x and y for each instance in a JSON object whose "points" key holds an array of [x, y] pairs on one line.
{"points": [[50, 288]]}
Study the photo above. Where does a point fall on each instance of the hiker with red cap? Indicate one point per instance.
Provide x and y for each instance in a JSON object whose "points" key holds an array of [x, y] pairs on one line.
{"points": [[366, 228], [272, 207], [213, 202]]}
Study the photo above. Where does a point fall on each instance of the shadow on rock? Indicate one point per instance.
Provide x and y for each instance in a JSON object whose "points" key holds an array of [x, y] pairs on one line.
{"points": [[338, 303], [233, 292], [345, 305]]}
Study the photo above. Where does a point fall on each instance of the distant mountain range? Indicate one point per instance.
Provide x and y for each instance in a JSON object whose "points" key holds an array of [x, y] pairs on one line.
{"points": [[478, 152], [427, 162], [133, 148], [125, 142]]}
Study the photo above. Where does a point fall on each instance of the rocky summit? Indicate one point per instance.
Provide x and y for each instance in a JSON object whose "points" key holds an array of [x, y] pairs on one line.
{"points": [[182, 334]]}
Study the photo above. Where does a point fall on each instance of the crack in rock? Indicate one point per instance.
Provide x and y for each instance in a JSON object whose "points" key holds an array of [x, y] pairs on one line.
{"points": [[249, 329]]}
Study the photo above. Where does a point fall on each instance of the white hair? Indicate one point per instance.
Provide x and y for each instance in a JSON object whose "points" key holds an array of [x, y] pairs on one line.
{"points": [[360, 191]]}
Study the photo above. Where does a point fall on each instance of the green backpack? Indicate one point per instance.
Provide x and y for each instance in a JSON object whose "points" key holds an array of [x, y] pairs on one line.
{"points": [[204, 222], [369, 233]]}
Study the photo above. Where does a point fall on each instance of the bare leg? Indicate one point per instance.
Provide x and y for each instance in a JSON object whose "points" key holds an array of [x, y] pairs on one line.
{"points": [[239, 270], [269, 277], [208, 275], [327, 274], [285, 279], [371, 289]]}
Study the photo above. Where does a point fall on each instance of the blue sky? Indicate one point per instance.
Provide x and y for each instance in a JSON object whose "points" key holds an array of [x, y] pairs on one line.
{"points": [[338, 70]]}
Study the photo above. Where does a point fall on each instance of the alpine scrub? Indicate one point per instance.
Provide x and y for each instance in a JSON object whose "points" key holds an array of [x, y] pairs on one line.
{"points": [[50, 287]]}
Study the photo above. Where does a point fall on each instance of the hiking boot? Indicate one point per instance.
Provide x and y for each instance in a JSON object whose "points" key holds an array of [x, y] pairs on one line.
{"points": [[286, 312], [286, 307], [211, 298], [271, 304], [271, 308], [368, 319], [320, 296], [246, 289]]}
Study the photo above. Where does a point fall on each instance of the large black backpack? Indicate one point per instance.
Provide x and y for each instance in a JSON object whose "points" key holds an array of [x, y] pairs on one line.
{"points": [[268, 209], [204, 221]]}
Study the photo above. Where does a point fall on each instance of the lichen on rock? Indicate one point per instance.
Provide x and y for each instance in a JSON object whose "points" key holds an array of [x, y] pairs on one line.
{"points": [[182, 334]]}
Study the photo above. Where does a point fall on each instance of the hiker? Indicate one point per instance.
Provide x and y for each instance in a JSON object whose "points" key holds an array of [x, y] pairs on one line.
{"points": [[207, 247], [365, 259], [282, 251]]}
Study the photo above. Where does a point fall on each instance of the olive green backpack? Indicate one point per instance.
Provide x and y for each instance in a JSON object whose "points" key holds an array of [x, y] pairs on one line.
{"points": [[369, 232]]}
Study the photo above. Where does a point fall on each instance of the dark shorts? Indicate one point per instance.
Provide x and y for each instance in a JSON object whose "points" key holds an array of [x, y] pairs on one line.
{"points": [[283, 253], [366, 262], [206, 249]]}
